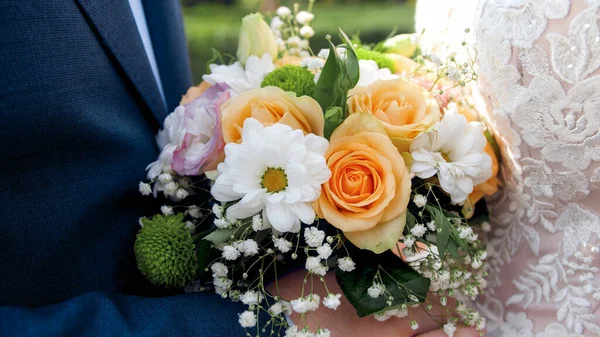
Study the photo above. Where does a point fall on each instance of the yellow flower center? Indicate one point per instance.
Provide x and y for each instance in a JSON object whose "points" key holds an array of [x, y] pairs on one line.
{"points": [[274, 180]]}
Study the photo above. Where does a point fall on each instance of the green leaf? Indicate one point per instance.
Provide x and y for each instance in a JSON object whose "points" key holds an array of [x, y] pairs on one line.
{"points": [[337, 77], [351, 67], [443, 229], [220, 236], [334, 116], [399, 279], [206, 254], [325, 91]]}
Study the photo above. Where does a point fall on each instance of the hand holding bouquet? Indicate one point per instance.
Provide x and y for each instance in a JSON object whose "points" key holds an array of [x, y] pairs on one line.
{"points": [[365, 160]]}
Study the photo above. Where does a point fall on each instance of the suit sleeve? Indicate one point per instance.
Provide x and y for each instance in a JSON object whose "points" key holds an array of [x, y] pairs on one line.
{"points": [[99, 314]]}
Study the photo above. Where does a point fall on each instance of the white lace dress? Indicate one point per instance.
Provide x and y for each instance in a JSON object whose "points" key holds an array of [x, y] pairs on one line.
{"points": [[539, 66]]}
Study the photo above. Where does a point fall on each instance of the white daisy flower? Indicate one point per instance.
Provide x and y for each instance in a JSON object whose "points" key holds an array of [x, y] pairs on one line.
{"points": [[454, 151], [275, 170], [239, 78]]}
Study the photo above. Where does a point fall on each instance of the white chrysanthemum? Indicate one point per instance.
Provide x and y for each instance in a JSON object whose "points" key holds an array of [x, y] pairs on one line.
{"points": [[454, 150], [332, 301], [346, 264], [276, 170], [239, 78], [168, 139], [247, 319], [370, 73]]}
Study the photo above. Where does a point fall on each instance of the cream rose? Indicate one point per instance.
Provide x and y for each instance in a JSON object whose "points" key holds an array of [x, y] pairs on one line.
{"points": [[271, 105], [370, 186], [403, 107]]}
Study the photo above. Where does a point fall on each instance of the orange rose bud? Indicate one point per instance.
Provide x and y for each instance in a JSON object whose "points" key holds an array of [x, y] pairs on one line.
{"points": [[404, 108], [271, 105], [370, 187]]}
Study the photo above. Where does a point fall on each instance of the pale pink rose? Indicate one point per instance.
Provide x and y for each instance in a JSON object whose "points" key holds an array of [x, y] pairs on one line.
{"points": [[202, 147]]}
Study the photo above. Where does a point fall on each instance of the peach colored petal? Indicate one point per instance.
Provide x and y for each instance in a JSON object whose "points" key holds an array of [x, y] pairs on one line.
{"points": [[380, 238]]}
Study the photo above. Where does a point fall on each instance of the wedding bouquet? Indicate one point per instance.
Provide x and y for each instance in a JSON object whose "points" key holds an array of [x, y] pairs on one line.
{"points": [[369, 161]]}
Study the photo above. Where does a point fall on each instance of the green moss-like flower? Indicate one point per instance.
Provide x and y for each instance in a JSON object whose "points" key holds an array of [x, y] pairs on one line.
{"points": [[291, 78], [382, 60], [165, 251]]}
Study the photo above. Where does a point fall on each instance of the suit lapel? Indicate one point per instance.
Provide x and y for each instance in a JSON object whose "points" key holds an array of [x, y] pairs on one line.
{"points": [[165, 25], [114, 23]]}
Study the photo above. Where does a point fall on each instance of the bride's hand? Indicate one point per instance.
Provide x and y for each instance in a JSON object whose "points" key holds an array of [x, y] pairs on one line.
{"points": [[344, 321]]}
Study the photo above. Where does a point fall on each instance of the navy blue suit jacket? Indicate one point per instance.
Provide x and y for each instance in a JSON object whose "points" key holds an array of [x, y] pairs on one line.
{"points": [[79, 108]]}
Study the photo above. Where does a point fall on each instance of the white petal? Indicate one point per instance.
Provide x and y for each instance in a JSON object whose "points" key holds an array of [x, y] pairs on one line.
{"points": [[315, 143], [223, 191], [304, 211], [280, 217]]}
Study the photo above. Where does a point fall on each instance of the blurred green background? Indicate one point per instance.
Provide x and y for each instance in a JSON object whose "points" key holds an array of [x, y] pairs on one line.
{"points": [[215, 24]]}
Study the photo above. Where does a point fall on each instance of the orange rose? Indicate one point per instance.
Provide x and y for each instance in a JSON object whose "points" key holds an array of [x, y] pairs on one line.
{"points": [[194, 92], [404, 65], [403, 107], [370, 186], [271, 105]]}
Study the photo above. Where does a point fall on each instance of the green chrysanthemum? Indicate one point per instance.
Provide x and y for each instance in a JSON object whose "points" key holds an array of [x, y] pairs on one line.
{"points": [[382, 60], [165, 251], [291, 78]]}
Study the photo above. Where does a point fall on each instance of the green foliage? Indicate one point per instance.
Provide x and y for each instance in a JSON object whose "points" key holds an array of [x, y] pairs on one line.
{"points": [[382, 60], [401, 282], [165, 251], [334, 116], [338, 76], [212, 26], [291, 78], [443, 229]]}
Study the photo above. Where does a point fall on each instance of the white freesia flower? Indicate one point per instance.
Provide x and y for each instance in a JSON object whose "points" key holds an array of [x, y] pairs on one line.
{"points": [[370, 73], [454, 150], [307, 32], [275, 170], [239, 78]]}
